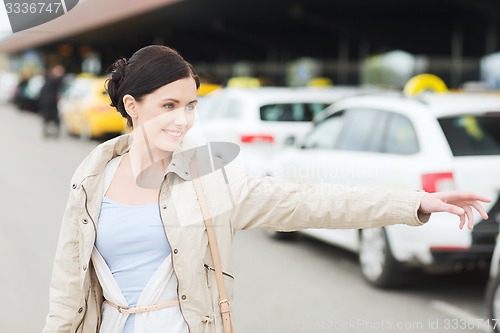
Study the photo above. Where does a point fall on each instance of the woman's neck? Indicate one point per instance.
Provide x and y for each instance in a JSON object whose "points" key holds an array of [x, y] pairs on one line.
{"points": [[148, 166]]}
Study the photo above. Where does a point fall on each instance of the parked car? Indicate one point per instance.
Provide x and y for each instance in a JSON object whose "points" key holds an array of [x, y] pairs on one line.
{"points": [[206, 88], [27, 93], [260, 118], [430, 142], [8, 84], [493, 289], [85, 110]]}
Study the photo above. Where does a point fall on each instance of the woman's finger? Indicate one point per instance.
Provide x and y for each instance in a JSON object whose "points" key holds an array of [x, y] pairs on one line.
{"points": [[453, 209], [470, 217], [480, 209], [462, 196], [475, 204], [462, 221]]}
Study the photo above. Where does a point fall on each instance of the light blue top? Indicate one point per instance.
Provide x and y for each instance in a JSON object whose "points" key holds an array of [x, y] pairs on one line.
{"points": [[132, 241]]}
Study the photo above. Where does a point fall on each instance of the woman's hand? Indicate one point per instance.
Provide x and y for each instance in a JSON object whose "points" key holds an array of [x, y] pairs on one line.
{"points": [[454, 202]]}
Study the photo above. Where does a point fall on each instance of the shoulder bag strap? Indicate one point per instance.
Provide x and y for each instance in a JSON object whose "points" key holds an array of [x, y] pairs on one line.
{"points": [[224, 305]]}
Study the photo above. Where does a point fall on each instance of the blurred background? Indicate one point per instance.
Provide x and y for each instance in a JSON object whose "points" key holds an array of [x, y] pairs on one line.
{"points": [[312, 91], [348, 41]]}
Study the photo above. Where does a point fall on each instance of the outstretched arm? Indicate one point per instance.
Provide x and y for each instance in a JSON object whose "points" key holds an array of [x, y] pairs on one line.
{"points": [[454, 202]]}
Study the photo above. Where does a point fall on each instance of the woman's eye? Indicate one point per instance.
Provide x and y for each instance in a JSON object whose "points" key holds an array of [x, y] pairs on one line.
{"points": [[190, 107], [169, 106]]}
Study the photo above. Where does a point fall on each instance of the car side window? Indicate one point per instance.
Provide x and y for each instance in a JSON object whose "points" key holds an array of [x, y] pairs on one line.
{"points": [[291, 111], [325, 134], [472, 134], [361, 126], [401, 137]]}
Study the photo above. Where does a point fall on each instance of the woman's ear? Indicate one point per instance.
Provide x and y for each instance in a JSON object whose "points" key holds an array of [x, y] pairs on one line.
{"points": [[130, 105]]}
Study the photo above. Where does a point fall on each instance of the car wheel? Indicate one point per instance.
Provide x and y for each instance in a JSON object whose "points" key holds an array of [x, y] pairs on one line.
{"points": [[282, 235], [493, 302], [378, 266], [85, 133], [63, 128]]}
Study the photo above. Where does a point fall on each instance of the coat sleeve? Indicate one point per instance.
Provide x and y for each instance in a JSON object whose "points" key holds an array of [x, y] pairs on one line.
{"points": [[273, 204], [64, 296]]}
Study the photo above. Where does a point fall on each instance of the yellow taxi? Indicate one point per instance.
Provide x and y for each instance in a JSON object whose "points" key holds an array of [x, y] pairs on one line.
{"points": [[85, 111], [206, 88]]}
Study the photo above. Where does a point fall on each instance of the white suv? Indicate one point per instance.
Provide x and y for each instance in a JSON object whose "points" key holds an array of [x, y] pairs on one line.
{"points": [[259, 119], [432, 142]]}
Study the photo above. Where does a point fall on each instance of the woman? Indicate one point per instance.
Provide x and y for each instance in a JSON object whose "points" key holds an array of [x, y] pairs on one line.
{"points": [[133, 250], [49, 96]]}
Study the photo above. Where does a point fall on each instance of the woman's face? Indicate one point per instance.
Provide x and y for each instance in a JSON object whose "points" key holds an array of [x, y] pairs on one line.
{"points": [[165, 115]]}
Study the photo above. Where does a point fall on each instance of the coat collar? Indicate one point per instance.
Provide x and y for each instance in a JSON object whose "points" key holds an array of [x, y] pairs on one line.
{"points": [[96, 161]]}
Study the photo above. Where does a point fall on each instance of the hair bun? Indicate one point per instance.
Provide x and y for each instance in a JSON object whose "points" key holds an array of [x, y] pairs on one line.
{"points": [[118, 70], [117, 76]]}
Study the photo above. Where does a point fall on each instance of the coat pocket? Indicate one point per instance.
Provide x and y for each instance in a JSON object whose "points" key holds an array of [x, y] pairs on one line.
{"points": [[212, 286]]}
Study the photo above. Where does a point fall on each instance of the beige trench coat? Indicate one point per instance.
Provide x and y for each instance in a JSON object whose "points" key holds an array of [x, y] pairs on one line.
{"points": [[75, 294]]}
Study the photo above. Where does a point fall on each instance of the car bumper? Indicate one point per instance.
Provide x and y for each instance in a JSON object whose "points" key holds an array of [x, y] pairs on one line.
{"points": [[477, 254], [483, 237], [105, 123]]}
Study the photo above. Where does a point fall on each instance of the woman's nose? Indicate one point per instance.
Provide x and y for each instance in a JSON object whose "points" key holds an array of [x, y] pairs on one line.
{"points": [[180, 117]]}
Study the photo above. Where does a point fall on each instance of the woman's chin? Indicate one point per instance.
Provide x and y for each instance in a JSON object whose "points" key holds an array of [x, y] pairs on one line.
{"points": [[170, 147]]}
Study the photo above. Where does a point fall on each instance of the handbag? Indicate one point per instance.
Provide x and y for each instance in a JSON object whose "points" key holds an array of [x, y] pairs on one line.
{"points": [[224, 306]]}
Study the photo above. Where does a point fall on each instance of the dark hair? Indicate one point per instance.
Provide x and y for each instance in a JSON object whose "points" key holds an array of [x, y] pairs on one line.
{"points": [[147, 70]]}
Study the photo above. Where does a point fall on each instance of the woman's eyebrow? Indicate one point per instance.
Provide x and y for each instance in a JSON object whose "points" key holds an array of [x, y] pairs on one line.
{"points": [[170, 99], [177, 101]]}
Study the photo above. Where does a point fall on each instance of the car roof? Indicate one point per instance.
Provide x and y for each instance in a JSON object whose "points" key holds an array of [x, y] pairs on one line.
{"points": [[291, 93], [439, 105], [459, 103]]}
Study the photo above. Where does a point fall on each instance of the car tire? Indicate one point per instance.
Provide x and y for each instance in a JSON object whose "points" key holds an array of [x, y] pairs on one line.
{"points": [[85, 133], [378, 265], [493, 302], [63, 128], [284, 236]]}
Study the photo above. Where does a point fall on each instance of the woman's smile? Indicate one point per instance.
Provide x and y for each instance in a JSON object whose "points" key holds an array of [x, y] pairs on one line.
{"points": [[175, 135]]}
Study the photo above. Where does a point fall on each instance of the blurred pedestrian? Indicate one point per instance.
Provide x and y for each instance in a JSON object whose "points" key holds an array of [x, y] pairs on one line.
{"points": [[19, 99], [49, 96], [146, 238]]}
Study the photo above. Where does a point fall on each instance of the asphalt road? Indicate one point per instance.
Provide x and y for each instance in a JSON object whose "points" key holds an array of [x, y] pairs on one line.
{"points": [[299, 286]]}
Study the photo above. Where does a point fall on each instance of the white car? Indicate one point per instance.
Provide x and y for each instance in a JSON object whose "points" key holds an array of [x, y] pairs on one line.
{"points": [[8, 84], [259, 119], [432, 142]]}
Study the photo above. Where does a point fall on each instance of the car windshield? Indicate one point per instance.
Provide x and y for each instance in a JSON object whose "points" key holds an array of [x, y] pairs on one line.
{"points": [[473, 134], [291, 111]]}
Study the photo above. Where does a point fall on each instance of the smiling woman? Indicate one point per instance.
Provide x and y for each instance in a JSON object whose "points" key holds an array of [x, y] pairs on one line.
{"points": [[146, 239]]}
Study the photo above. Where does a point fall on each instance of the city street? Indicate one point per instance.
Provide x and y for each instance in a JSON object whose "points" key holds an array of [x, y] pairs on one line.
{"points": [[280, 286]]}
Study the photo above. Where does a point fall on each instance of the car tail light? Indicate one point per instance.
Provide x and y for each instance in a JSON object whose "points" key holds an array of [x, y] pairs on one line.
{"points": [[435, 182], [449, 248], [102, 108], [257, 138]]}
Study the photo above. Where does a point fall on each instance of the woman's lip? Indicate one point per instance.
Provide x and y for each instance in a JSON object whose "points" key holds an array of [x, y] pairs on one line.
{"points": [[173, 134]]}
